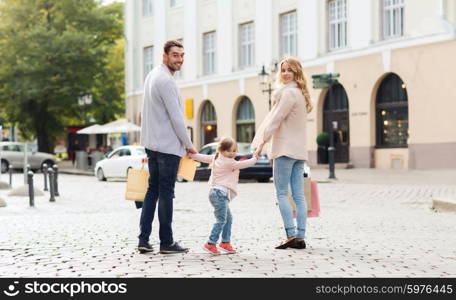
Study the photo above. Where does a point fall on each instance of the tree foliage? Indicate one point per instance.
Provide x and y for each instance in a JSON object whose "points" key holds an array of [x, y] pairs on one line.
{"points": [[51, 53]]}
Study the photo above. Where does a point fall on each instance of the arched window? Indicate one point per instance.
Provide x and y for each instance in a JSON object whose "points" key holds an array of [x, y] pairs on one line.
{"points": [[208, 123], [336, 119], [245, 121], [392, 113]]}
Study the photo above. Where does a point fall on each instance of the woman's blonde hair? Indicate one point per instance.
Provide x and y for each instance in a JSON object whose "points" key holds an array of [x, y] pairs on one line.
{"points": [[299, 77]]}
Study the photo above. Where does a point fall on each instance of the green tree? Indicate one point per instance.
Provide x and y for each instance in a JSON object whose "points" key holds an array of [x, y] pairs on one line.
{"points": [[109, 90], [52, 53]]}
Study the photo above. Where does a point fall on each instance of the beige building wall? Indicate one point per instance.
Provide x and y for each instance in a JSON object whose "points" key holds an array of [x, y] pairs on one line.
{"points": [[175, 22], [423, 58]]}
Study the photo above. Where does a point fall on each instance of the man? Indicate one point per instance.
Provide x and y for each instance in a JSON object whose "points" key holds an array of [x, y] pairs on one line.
{"points": [[164, 135]]}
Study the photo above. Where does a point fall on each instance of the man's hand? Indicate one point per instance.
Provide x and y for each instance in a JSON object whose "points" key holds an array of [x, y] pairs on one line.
{"points": [[191, 151]]}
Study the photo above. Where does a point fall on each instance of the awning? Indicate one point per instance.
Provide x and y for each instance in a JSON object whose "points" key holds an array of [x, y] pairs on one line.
{"points": [[89, 130], [118, 126]]}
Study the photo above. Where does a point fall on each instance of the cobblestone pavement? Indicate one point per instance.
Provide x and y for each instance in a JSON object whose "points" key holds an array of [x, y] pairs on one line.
{"points": [[384, 229]]}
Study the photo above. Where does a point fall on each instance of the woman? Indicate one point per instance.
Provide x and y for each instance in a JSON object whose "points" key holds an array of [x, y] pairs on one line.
{"points": [[285, 126]]}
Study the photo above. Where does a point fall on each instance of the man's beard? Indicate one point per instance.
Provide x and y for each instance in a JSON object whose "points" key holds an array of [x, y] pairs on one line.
{"points": [[173, 68]]}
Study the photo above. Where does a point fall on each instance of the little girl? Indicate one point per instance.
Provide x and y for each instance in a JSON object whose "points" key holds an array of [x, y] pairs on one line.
{"points": [[223, 181]]}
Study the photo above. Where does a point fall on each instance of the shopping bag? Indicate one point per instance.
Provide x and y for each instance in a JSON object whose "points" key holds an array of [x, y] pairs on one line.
{"points": [[307, 195], [315, 210], [187, 168], [137, 184], [312, 199]]}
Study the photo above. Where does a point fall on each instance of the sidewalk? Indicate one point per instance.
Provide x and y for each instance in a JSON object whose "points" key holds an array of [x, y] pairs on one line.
{"points": [[66, 167], [364, 230], [380, 176]]}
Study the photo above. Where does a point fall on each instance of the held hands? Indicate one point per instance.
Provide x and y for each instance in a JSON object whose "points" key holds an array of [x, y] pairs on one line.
{"points": [[191, 151], [258, 150]]}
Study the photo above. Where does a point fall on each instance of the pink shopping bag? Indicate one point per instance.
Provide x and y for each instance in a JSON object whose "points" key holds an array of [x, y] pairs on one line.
{"points": [[315, 209]]}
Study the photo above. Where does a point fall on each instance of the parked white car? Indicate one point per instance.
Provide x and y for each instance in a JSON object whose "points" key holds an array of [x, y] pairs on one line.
{"points": [[119, 161], [12, 153]]}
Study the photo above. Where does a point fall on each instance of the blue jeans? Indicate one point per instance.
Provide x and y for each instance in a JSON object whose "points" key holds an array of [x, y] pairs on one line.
{"points": [[162, 178], [289, 171], [219, 200]]}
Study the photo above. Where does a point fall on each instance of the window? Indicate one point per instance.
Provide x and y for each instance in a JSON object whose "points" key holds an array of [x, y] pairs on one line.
{"points": [[125, 152], [209, 53], [175, 3], [288, 34], [208, 150], [20, 148], [337, 24], [147, 8], [245, 121], [392, 113], [393, 18], [140, 151], [115, 154], [208, 123], [148, 60], [247, 45]]}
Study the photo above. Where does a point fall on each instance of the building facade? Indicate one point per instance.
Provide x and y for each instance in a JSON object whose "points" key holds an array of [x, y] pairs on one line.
{"points": [[394, 101]]}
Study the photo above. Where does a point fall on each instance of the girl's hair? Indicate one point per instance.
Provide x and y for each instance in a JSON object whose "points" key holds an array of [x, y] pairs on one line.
{"points": [[299, 77], [225, 144]]}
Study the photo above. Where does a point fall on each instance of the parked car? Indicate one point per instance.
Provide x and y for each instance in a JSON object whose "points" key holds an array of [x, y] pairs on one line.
{"points": [[12, 153], [119, 161], [261, 171]]}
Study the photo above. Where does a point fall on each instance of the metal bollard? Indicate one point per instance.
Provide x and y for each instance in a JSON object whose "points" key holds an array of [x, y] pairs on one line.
{"points": [[10, 170], [31, 190], [51, 184], [56, 180], [45, 174]]}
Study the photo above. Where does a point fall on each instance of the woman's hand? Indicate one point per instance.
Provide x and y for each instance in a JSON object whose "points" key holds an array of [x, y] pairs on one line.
{"points": [[259, 149]]}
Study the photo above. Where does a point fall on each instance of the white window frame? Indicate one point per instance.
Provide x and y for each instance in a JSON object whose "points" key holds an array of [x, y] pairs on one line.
{"points": [[175, 3], [393, 18], [209, 53], [289, 34], [246, 45], [148, 60], [179, 74], [147, 8], [337, 24]]}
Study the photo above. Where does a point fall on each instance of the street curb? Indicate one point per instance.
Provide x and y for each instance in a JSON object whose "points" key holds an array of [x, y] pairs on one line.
{"points": [[76, 172], [444, 204]]}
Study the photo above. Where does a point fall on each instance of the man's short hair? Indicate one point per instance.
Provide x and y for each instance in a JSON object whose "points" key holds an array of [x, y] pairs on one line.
{"points": [[170, 44]]}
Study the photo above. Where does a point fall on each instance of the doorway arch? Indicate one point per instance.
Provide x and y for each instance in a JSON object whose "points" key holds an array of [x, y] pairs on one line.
{"points": [[335, 109]]}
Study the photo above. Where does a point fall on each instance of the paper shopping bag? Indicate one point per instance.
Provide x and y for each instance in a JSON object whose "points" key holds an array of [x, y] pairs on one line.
{"points": [[307, 195], [137, 184], [187, 168], [315, 211]]}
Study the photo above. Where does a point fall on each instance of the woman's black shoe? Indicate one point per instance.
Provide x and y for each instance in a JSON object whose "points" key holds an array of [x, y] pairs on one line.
{"points": [[287, 244], [300, 244]]}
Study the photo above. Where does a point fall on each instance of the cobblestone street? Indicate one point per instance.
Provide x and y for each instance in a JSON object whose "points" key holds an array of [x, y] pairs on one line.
{"points": [[369, 227]]}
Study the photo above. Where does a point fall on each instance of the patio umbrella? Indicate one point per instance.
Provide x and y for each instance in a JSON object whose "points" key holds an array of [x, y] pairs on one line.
{"points": [[118, 126], [94, 129]]}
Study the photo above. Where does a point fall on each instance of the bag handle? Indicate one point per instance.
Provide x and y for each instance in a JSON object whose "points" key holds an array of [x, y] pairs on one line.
{"points": [[143, 162]]}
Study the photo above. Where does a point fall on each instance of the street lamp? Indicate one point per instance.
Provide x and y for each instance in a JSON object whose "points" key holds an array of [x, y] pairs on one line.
{"points": [[267, 79], [326, 81], [83, 102]]}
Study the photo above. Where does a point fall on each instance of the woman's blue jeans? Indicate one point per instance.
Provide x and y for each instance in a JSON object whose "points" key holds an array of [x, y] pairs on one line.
{"points": [[289, 172]]}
